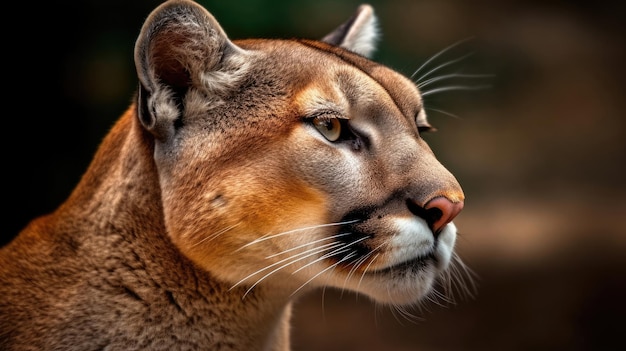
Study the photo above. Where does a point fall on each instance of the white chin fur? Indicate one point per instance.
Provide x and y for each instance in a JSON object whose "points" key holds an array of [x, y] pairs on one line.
{"points": [[401, 286], [447, 239]]}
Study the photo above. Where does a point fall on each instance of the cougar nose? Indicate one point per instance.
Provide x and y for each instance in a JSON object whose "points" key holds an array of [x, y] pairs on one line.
{"points": [[447, 208]]}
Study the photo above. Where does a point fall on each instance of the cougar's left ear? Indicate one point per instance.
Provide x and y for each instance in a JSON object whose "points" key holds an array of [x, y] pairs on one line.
{"points": [[181, 48], [358, 34]]}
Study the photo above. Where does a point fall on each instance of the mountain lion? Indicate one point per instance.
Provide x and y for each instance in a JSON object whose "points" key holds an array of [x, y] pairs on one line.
{"points": [[244, 174]]}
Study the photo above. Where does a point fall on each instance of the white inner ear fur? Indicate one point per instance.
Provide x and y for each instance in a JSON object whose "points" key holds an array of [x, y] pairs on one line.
{"points": [[364, 33]]}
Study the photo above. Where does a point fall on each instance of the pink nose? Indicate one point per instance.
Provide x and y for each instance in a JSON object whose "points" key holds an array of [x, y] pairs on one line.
{"points": [[448, 209]]}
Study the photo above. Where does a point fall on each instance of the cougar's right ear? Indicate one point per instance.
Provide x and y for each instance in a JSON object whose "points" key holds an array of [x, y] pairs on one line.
{"points": [[359, 33], [181, 47]]}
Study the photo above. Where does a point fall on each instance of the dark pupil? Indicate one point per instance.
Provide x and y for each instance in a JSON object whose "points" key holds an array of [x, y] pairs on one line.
{"points": [[328, 125]]}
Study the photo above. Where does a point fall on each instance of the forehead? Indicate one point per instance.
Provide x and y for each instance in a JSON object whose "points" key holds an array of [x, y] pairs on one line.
{"points": [[400, 89], [306, 64]]}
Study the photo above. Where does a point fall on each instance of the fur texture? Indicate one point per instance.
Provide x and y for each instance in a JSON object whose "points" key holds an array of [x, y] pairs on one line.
{"points": [[244, 174]]}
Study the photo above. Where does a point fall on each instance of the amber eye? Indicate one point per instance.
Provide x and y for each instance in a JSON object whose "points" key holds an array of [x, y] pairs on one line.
{"points": [[329, 127]]}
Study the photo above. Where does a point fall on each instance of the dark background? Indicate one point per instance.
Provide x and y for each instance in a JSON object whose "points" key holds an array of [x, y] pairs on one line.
{"points": [[541, 155]]}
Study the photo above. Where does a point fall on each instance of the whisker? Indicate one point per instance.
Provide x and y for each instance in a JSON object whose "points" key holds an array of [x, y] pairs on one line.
{"points": [[355, 265], [363, 259], [450, 76], [276, 270], [267, 237], [424, 306], [466, 277], [393, 309], [366, 269], [404, 312], [448, 281], [419, 305], [378, 310], [454, 88], [435, 56], [335, 246], [443, 112], [322, 272], [304, 254], [339, 250], [457, 280], [439, 296], [441, 66], [215, 235], [458, 284], [396, 311], [323, 304], [309, 243]]}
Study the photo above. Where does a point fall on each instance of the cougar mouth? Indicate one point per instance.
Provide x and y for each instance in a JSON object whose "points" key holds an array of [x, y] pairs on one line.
{"points": [[415, 264]]}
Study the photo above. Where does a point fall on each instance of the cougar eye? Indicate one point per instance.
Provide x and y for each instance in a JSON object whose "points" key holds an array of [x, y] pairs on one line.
{"points": [[330, 128]]}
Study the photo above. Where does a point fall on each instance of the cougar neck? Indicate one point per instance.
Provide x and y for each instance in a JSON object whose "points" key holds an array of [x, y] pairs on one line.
{"points": [[118, 200]]}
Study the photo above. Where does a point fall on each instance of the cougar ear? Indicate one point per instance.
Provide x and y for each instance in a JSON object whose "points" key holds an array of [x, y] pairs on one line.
{"points": [[358, 34], [180, 47]]}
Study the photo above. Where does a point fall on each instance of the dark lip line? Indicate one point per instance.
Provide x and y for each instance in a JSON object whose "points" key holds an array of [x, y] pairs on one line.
{"points": [[421, 260]]}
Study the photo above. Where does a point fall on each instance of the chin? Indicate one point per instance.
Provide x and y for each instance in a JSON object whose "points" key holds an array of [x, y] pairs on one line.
{"points": [[407, 281]]}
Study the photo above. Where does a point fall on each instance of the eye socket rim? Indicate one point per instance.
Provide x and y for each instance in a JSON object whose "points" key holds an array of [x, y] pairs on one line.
{"points": [[321, 124]]}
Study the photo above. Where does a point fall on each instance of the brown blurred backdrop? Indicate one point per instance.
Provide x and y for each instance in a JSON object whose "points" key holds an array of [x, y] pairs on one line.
{"points": [[541, 154]]}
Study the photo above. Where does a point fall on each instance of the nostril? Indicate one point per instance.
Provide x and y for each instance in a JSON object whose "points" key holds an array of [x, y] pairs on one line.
{"points": [[431, 215], [446, 210]]}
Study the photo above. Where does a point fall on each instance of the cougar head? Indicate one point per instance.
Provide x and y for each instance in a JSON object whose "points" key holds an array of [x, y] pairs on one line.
{"points": [[294, 163]]}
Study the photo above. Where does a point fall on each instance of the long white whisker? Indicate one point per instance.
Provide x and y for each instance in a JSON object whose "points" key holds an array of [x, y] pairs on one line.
{"points": [[406, 314], [448, 282], [439, 295], [443, 112], [454, 88], [324, 304], [366, 269], [343, 248], [277, 269], [337, 247], [441, 66], [394, 306], [267, 237], [469, 273], [459, 280], [365, 257], [434, 57], [215, 235], [360, 262], [322, 272], [355, 265], [450, 76], [309, 243], [305, 254], [458, 283]]}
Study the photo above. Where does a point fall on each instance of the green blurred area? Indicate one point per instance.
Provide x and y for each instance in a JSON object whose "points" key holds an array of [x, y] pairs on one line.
{"points": [[541, 154]]}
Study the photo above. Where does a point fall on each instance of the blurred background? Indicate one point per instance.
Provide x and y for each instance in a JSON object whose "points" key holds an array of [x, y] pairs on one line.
{"points": [[540, 154]]}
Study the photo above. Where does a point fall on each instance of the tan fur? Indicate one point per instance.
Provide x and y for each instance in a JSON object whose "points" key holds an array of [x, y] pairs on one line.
{"points": [[214, 202]]}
